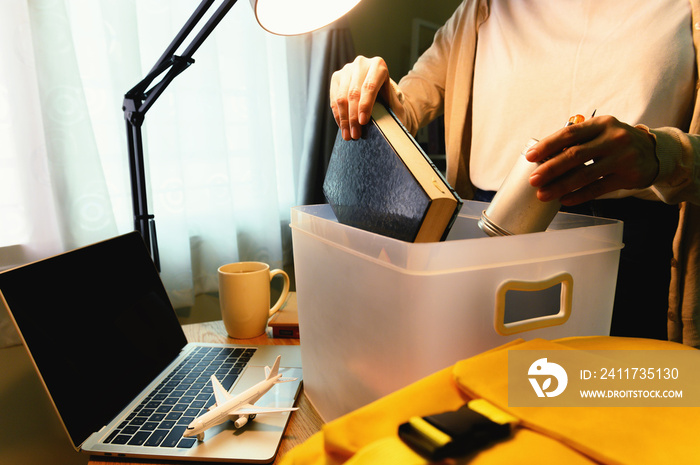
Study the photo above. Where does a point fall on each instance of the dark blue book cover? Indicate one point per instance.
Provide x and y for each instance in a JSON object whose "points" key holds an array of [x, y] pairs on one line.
{"points": [[384, 183]]}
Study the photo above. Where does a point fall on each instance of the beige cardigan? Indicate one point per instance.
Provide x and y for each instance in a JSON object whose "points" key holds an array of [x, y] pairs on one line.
{"points": [[441, 82]]}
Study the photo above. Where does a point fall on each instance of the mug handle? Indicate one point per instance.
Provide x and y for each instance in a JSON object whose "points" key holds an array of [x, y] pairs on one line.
{"points": [[285, 291]]}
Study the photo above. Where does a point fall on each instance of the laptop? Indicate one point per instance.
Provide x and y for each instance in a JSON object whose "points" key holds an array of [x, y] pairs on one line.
{"points": [[120, 373]]}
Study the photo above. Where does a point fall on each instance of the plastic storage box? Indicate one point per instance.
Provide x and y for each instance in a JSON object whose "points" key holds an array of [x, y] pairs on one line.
{"points": [[376, 314]]}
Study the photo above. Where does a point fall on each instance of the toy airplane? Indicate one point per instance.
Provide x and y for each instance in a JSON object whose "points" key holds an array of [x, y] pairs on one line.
{"points": [[240, 408]]}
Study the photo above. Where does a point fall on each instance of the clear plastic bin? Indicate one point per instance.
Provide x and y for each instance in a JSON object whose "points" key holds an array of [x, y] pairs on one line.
{"points": [[376, 314]]}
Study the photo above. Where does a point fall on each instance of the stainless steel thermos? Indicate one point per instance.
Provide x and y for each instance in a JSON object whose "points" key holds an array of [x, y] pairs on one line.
{"points": [[515, 209]]}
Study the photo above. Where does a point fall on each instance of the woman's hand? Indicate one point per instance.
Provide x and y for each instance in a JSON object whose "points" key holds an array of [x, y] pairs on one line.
{"points": [[622, 156], [354, 89]]}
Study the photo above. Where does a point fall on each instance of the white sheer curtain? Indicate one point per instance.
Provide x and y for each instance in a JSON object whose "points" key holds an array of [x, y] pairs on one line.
{"points": [[222, 143]]}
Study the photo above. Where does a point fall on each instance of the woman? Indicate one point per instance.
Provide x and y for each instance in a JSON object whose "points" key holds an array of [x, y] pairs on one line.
{"points": [[503, 71]]}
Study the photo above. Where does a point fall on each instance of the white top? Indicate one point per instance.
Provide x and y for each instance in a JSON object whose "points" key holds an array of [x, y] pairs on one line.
{"points": [[568, 57]]}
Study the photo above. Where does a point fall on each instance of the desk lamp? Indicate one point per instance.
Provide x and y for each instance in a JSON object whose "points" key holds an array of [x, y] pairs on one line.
{"points": [[283, 17]]}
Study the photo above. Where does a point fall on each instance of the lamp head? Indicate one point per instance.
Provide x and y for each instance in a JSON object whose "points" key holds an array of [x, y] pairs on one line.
{"points": [[290, 17]]}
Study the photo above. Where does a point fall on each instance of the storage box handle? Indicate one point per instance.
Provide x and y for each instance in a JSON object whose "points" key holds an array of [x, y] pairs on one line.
{"points": [[565, 303]]}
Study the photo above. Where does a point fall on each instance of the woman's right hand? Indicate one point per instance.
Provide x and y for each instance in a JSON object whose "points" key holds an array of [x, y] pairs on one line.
{"points": [[354, 89]]}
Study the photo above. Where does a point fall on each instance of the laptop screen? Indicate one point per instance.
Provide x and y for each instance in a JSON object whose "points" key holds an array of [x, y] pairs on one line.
{"points": [[99, 327]]}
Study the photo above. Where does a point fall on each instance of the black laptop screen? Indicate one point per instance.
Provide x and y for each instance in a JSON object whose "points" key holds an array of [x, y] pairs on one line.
{"points": [[99, 326]]}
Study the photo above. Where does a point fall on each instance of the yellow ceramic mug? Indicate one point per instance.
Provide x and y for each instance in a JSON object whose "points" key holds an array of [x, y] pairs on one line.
{"points": [[244, 295]]}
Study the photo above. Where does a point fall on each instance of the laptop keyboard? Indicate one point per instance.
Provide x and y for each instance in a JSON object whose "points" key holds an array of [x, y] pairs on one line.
{"points": [[184, 394]]}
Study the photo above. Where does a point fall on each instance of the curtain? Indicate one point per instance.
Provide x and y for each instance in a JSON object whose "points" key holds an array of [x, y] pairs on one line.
{"points": [[331, 49], [226, 144]]}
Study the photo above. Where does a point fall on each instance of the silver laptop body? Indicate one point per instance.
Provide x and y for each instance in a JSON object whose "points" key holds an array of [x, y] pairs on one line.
{"points": [[102, 335]]}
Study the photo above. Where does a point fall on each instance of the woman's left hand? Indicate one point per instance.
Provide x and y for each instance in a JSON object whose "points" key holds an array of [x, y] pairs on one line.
{"points": [[622, 156]]}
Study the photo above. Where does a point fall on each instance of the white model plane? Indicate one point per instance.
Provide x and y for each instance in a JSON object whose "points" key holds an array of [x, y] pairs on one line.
{"points": [[240, 408]]}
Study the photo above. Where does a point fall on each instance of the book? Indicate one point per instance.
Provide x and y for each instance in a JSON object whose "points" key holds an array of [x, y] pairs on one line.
{"points": [[384, 182], [285, 323]]}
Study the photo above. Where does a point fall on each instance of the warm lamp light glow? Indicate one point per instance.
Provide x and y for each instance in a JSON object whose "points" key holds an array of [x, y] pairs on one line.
{"points": [[289, 17]]}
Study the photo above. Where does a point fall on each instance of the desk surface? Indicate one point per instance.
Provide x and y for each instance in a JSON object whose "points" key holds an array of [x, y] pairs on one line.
{"points": [[302, 423]]}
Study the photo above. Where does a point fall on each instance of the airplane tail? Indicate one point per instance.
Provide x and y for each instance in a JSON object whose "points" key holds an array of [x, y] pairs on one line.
{"points": [[271, 373], [274, 371]]}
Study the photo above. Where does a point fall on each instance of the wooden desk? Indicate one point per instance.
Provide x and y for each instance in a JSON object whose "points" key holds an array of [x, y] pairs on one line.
{"points": [[302, 423]]}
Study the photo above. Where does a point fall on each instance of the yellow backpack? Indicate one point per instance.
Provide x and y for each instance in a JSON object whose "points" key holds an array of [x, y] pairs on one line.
{"points": [[545, 435]]}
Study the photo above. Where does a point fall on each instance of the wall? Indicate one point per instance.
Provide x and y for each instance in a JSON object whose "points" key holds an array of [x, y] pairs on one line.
{"points": [[383, 28]]}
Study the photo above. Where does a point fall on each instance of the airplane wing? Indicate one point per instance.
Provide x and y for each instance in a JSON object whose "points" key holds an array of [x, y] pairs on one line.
{"points": [[250, 409], [220, 393]]}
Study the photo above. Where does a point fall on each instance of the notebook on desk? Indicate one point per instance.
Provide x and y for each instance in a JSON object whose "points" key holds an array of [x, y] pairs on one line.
{"points": [[110, 352]]}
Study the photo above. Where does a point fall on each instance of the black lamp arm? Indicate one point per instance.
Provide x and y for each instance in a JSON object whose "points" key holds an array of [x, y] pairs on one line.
{"points": [[139, 99]]}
